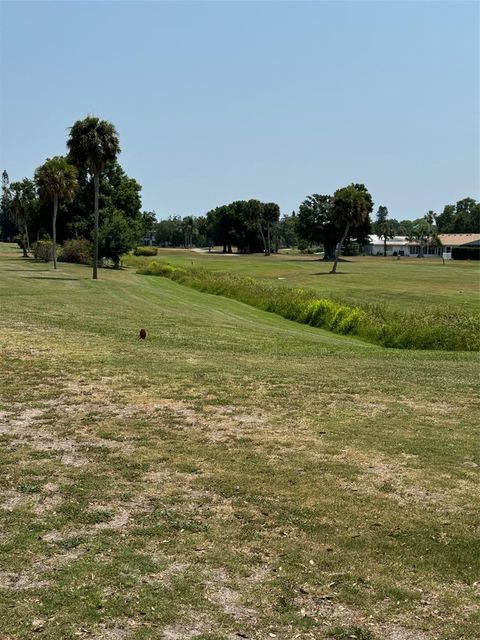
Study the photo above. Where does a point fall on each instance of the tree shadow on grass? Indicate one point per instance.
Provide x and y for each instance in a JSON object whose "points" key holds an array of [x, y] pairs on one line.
{"points": [[327, 273], [50, 278], [23, 270]]}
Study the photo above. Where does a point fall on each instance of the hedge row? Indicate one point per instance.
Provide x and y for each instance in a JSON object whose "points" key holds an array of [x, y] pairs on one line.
{"points": [[443, 329], [466, 253]]}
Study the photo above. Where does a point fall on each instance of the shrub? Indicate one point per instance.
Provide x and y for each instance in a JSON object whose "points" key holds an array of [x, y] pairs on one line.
{"points": [[145, 251], [77, 250], [43, 250], [156, 268], [466, 253]]}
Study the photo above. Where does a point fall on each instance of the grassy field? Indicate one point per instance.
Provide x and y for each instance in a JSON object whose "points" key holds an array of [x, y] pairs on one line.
{"points": [[236, 475], [403, 284]]}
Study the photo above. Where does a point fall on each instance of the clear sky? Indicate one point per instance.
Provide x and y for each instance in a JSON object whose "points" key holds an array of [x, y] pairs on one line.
{"points": [[217, 101]]}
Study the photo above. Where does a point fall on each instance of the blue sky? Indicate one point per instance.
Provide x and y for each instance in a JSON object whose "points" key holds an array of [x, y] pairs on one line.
{"points": [[217, 101]]}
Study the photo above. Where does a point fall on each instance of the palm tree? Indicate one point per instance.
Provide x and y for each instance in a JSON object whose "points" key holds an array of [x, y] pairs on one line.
{"points": [[92, 144], [56, 180], [384, 227], [271, 215], [351, 206], [419, 233], [22, 204], [187, 225]]}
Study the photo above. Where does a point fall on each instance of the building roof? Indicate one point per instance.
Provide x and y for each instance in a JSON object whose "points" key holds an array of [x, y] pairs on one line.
{"points": [[396, 240], [457, 239]]}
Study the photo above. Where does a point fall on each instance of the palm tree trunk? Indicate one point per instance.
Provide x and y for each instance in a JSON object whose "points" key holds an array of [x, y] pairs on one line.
{"points": [[265, 251], [54, 230], [26, 243], [339, 248], [385, 246], [268, 240], [96, 184]]}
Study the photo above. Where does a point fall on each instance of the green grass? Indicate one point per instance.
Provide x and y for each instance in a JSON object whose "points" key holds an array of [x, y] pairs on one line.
{"points": [[444, 328], [403, 284], [236, 473]]}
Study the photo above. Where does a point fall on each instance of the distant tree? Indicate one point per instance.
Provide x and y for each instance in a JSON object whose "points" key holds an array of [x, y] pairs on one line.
{"points": [[93, 144], [148, 222], [221, 226], [7, 226], [23, 205], [248, 225], [56, 180], [430, 218], [420, 232], [287, 231], [462, 217], [169, 232], [352, 206], [384, 227], [203, 231], [188, 227], [467, 218], [117, 235], [252, 213], [316, 223], [446, 219], [271, 216]]}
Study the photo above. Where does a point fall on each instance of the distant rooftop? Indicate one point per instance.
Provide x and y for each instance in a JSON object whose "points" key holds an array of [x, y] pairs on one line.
{"points": [[457, 239], [396, 240]]}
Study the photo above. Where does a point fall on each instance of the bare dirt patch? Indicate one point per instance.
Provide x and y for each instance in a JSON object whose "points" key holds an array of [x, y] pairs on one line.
{"points": [[115, 630], [190, 627], [382, 476], [220, 591], [34, 576], [123, 513]]}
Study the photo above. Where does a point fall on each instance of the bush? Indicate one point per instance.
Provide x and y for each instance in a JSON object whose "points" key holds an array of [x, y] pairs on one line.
{"points": [[145, 251], [77, 250], [466, 253], [305, 248], [447, 329], [43, 250], [156, 268]]}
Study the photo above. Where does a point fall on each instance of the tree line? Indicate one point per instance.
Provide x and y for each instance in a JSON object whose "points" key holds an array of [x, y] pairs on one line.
{"points": [[84, 195], [317, 223]]}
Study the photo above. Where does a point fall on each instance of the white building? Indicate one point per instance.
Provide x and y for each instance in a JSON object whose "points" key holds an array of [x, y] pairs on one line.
{"points": [[398, 245]]}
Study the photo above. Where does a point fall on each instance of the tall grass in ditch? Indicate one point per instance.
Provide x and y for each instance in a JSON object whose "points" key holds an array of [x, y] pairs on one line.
{"points": [[445, 329]]}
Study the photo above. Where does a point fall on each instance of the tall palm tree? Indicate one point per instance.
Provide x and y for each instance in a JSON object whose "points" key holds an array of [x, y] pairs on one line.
{"points": [[384, 227], [271, 215], [351, 206], [92, 144], [56, 180], [22, 204]]}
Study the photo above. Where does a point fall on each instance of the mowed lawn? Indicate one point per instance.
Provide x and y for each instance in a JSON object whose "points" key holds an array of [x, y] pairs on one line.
{"points": [[406, 284], [236, 475]]}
